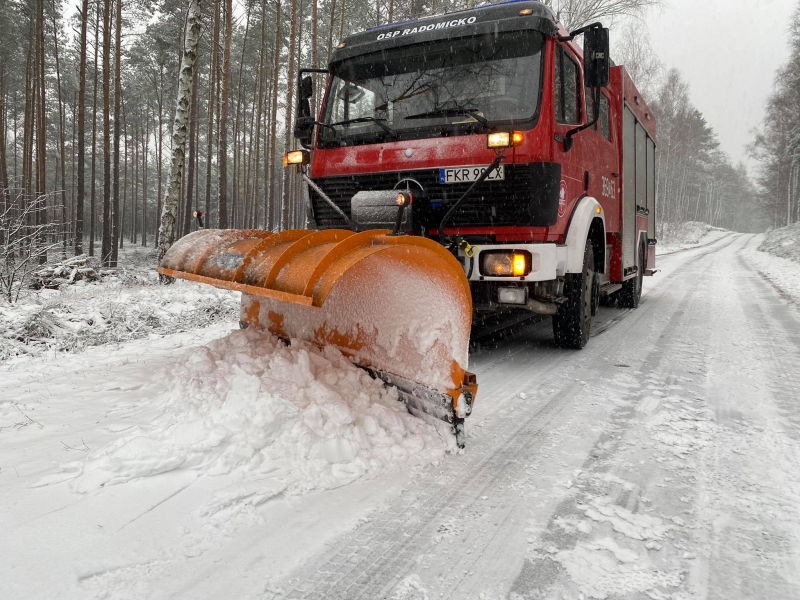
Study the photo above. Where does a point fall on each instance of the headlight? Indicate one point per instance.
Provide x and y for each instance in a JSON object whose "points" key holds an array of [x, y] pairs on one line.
{"points": [[505, 264], [296, 157], [504, 139]]}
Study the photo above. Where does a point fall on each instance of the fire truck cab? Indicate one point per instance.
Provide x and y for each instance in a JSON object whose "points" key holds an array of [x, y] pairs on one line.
{"points": [[531, 159]]}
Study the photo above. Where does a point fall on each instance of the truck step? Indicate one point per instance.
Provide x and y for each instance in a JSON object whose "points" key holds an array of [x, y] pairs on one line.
{"points": [[610, 288]]}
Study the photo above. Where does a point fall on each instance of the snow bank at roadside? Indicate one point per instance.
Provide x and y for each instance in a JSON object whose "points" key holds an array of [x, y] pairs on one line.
{"points": [[783, 242], [778, 259], [682, 236], [284, 417]]}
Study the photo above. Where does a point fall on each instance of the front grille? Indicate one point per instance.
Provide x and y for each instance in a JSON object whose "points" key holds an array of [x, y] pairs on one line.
{"points": [[506, 202]]}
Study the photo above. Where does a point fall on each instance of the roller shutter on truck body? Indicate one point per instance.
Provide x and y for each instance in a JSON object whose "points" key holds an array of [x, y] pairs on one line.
{"points": [[638, 183], [651, 188], [628, 221], [638, 158]]}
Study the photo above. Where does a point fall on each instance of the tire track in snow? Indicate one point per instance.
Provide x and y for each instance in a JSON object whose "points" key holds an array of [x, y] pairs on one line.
{"points": [[368, 562], [754, 551], [564, 547]]}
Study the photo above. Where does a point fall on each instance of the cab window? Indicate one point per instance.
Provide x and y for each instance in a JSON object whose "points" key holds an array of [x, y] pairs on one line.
{"points": [[568, 102], [604, 124], [605, 121]]}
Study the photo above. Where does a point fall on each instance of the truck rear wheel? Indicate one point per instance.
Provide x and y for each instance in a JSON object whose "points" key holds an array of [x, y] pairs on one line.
{"points": [[573, 322], [631, 291]]}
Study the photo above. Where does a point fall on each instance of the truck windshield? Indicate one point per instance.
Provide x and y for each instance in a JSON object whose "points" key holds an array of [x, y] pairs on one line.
{"points": [[462, 85]]}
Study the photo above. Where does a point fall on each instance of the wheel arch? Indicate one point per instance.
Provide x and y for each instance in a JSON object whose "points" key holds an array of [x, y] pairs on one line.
{"points": [[587, 222]]}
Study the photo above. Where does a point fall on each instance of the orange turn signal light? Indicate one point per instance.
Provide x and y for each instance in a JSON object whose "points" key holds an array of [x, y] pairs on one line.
{"points": [[520, 265]]}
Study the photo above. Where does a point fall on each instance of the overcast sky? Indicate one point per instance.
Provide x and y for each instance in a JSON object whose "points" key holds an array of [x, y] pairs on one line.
{"points": [[728, 51]]}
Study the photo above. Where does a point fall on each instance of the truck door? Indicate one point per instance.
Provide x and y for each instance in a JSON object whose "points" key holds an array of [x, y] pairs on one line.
{"points": [[568, 115], [599, 157]]}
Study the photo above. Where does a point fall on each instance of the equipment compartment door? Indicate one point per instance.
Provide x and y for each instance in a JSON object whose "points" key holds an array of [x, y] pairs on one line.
{"points": [[628, 220], [638, 187], [651, 188]]}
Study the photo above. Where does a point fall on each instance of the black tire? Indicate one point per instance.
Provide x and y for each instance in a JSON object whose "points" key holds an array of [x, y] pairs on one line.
{"points": [[573, 322], [631, 291], [595, 292]]}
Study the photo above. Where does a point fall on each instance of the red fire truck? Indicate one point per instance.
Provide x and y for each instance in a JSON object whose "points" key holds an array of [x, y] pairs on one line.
{"points": [[461, 165], [529, 158]]}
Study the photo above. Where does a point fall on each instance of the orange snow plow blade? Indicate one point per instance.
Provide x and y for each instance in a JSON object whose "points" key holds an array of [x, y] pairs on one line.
{"points": [[398, 306]]}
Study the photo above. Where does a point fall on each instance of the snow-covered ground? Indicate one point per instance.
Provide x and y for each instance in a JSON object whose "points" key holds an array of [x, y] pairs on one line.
{"points": [[783, 242], [659, 462], [126, 306], [777, 259]]}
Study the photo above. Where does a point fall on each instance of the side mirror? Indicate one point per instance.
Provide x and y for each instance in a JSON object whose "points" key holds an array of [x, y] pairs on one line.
{"points": [[596, 57], [305, 92], [304, 123], [304, 120], [304, 129]]}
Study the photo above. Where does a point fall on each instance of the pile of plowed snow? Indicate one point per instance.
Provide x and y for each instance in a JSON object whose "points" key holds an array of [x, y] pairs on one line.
{"points": [[250, 406], [778, 259], [680, 236], [783, 242]]}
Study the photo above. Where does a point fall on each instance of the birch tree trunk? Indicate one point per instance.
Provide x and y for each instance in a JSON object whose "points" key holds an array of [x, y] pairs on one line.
{"points": [[191, 38], [187, 213]]}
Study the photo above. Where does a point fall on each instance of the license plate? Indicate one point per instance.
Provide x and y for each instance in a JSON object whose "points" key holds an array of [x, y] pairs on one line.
{"points": [[467, 174]]}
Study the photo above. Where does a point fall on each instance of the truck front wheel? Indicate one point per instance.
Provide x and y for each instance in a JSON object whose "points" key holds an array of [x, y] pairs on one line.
{"points": [[573, 322]]}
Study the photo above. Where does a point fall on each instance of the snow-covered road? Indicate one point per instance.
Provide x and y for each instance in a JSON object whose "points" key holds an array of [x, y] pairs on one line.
{"points": [[661, 461]]}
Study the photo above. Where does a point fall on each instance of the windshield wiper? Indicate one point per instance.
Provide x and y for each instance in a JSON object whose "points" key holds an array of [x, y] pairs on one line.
{"points": [[379, 122], [453, 112]]}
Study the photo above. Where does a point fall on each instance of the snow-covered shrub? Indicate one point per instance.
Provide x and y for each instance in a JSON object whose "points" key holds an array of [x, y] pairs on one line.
{"points": [[79, 316], [783, 242], [29, 238]]}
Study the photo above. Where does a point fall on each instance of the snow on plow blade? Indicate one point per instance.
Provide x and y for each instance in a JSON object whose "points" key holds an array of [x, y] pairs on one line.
{"points": [[398, 306]]}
